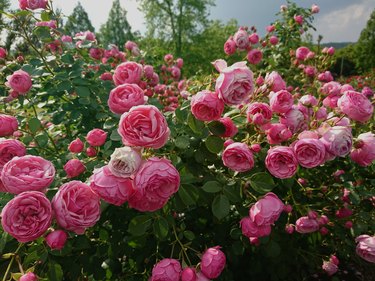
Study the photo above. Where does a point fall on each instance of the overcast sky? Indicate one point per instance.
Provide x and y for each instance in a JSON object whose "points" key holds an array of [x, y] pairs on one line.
{"points": [[338, 20]]}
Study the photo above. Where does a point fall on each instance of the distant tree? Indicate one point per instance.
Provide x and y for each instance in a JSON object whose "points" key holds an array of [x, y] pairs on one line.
{"points": [[78, 21], [4, 5], [366, 45], [117, 29]]}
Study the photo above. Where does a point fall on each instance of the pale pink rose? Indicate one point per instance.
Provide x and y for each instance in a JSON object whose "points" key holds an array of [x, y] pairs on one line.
{"points": [[30, 276], [235, 84], [241, 38], [127, 72], [281, 162], [364, 151], [166, 270], [238, 157], [10, 148], [274, 40], [73, 168], [309, 152], [294, 119], [275, 82], [207, 106], [125, 161], [302, 52], [309, 71], [315, 9], [50, 24], [230, 46], [258, 113], [188, 274], [86, 35], [27, 216], [308, 100], [366, 247], [298, 19], [331, 88], [76, 146], [56, 239], [220, 64], [254, 56], [19, 81], [76, 207], [325, 77], [230, 128], [266, 210], [254, 38], [175, 72], [251, 229], [331, 101], [213, 262], [112, 189], [356, 106], [37, 4], [124, 97], [306, 225], [338, 140], [277, 133], [129, 45], [27, 173], [168, 58], [144, 125], [329, 267], [96, 137], [281, 101]]}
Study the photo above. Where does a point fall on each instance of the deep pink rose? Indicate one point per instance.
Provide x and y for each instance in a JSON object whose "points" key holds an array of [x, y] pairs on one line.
{"points": [[106, 76], [364, 151], [329, 267], [274, 40], [309, 152], [213, 262], [175, 72], [298, 19], [266, 210], [238, 157], [112, 189], [27, 173], [27, 216], [254, 56], [76, 207], [281, 101], [19, 81], [166, 270], [148, 71], [56, 239], [278, 133], [275, 81], [73, 168], [306, 225], [128, 72], [235, 84], [254, 38], [30, 276], [76, 146], [96, 137], [96, 53], [189, 274], [251, 229], [230, 46], [281, 162], [22, 4], [207, 106], [10, 148], [230, 128], [125, 161], [141, 203], [325, 77], [3, 53], [144, 125], [241, 38], [366, 247], [37, 4], [124, 97], [338, 140], [259, 113], [356, 106], [302, 52], [294, 119]]}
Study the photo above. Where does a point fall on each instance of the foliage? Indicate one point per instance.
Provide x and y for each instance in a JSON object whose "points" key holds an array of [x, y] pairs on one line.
{"points": [[366, 45], [78, 21]]}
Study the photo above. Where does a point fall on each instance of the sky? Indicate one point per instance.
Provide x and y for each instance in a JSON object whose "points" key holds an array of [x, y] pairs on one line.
{"points": [[338, 20]]}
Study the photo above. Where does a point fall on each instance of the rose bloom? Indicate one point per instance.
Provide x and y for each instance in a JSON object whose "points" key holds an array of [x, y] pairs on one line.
{"points": [[241, 38], [294, 119], [266, 210], [112, 189], [251, 229], [175, 72], [10, 148], [29, 276], [166, 270], [76, 146], [96, 53], [230, 128], [73, 168], [309, 70], [275, 81], [281, 101], [364, 151], [143, 204], [258, 113], [309, 152], [329, 267], [281, 162], [230, 46], [168, 58], [277, 133], [3, 53], [207, 106], [298, 19], [96, 137], [19, 81], [27, 173], [129, 45], [213, 262], [235, 84], [274, 40], [144, 125], [366, 247], [180, 63], [128, 72], [124, 97], [27, 216], [50, 24], [254, 38], [254, 56], [331, 88], [125, 161], [306, 225], [308, 100], [302, 52], [325, 77], [76, 207], [338, 140], [356, 106], [35, 4], [238, 157], [315, 9], [56, 239]]}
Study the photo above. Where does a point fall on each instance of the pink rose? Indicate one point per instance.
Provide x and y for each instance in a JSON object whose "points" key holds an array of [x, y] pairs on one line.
{"points": [[315, 9], [325, 77], [309, 152], [366, 247], [281, 101], [338, 140], [27, 173], [129, 45], [294, 119], [30, 276], [278, 133], [274, 40], [85, 35], [96, 53], [258, 113], [266, 210], [367, 91], [309, 71], [281, 162], [254, 38], [298, 19], [66, 39], [27, 216], [19, 81], [238, 157], [96, 137], [207, 106], [213, 262], [139, 202], [124, 97], [254, 56], [76, 146], [230, 47], [50, 24], [230, 128], [241, 38], [3, 53], [128, 72], [270, 28], [168, 58], [125, 161], [175, 72], [306, 225], [188, 274], [148, 71], [364, 151], [22, 4], [56, 239], [73, 168], [37, 4], [144, 125], [275, 81], [329, 267], [302, 52], [166, 270], [308, 100], [76, 207], [356, 106], [106, 76], [251, 229], [91, 151], [202, 277], [235, 84], [331, 88], [10, 148], [180, 63]]}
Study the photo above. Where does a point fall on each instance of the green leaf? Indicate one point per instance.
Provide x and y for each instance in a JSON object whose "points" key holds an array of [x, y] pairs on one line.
{"points": [[185, 196], [216, 128], [84, 101], [42, 139], [83, 92], [189, 235], [139, 225], [212, 187], [115, 136], [67, 58], [161, 228], [182, 142], [195, 125], [262, 182], [272, 250], [55, 272], [34, 125], [214, 144], [45, 16], [220, 206]]}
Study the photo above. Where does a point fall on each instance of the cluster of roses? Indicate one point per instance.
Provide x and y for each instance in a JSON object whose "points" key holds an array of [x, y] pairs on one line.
{"points": [[32, 4], [212, 264]]}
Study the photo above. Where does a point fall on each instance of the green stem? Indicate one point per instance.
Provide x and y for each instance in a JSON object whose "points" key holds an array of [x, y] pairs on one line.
{"points": [[11, 262], [181, 245]]}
